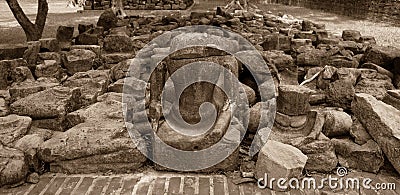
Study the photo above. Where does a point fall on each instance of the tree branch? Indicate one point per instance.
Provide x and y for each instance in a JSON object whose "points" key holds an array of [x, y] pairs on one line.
{"points": [[19, 14], [41, 15]]}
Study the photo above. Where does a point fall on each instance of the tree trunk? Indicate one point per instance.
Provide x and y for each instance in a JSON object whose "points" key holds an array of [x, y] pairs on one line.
{"points": [[32, 31]]}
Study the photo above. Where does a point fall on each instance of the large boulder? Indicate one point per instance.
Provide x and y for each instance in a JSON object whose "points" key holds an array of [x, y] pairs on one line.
{"points": [[13, 167], [367, 157], [49, 45], [313, 57], [29, 145], [340, 93], [108, 20], [374, 83], [79, 60], [320, 152], [381, 55], [382, 122], [64, 36], [12, 128], [285, 65], [278, 160], [99, 142]]}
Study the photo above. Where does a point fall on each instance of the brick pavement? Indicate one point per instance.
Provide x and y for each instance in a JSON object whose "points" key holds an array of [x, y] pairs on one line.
{"points": [[153, 183]]}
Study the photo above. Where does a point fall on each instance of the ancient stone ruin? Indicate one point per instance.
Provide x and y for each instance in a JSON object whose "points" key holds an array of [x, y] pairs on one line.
{"points": [[337, 99]]}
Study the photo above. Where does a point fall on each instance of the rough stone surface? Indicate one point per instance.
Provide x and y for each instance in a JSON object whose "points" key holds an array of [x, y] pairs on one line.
{"points": [[381, 55], [79, 60], [7, 74], [293, 100], [382, 123], [49, 68], [107, 20], [280, 160], [12, 51], [21, 90], [49, 45], [98, 142], [367, 157], [359, 133], [351, 35], [321, 154], [64, 36], [50, 103], [93, 83], [13, 167], [12, 128], [314, 57], [340, 93], [118, 43], [374, 83], [337, 123], [392, 97], [31, 53]]}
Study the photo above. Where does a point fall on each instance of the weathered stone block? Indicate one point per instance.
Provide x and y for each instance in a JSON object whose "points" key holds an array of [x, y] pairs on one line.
{"points": [[79, 60], [278, 160], [102, 139], [50, 103], [382, 122], [15, 168], [293, 100], [93, 83], [12, 128], [64, 36], [49, 45], [351, 35], [367, 157], [337, 123]]}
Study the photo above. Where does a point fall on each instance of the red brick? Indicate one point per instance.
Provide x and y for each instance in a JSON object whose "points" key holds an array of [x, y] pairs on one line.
{"points": [[113, 187], [98, 185], [159, 186], [54, 186], [84, 186], [143, 188], [174, 185], [204, 186], [128, 186], [189, 185], [69, 185], [41, 185], [219, 185]]}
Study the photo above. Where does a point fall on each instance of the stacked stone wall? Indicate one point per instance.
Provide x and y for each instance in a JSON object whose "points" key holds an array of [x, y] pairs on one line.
{"points": [[383, 10], [141, 4]]}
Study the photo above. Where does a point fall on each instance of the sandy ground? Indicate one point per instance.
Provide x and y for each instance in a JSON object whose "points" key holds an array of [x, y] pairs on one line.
{"points": [[60, 14]]}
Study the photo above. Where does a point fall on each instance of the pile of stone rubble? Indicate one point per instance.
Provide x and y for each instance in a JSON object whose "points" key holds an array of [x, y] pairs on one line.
{"points": [[61, 109]]}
